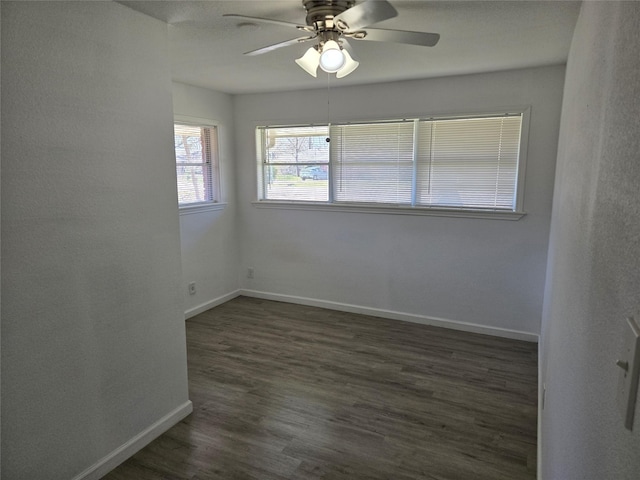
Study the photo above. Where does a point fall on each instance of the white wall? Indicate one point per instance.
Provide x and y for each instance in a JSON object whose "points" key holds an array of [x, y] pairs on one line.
{"points": [[209, 243], [93, 340], [487, 272], [594, 255]]}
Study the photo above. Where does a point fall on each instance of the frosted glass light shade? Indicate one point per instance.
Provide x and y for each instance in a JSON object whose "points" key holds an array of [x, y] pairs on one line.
{"points": [[349, 65], [309, 61], [332, 58]]}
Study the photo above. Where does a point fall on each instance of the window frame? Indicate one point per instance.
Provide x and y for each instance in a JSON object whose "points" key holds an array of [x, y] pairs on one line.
{"points": [[260, 131], [215, 166], [403, 209]]}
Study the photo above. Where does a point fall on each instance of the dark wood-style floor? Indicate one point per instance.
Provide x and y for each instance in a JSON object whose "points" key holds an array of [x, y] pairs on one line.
{"points": [[284, 391]]}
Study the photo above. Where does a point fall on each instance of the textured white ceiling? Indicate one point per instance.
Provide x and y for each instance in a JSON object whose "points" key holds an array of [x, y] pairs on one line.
{"points": [[206, 49]]}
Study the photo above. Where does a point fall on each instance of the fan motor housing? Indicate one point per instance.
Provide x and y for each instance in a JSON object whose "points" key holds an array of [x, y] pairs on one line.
{"points": [[319, 10]]}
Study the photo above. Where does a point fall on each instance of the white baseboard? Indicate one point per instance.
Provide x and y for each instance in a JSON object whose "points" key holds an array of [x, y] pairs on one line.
{"points": [[126, 450], [203, 307], [407, 317]]}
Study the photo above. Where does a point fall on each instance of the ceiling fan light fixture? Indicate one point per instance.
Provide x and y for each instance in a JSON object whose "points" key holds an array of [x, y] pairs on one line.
{"points": [[332, 57], [331, 23], [309, 61], [349, 65]]}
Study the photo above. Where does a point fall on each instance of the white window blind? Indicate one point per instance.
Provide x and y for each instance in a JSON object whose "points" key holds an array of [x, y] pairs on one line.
{"points": [[468, 162], [196, 164], [373, 162]]}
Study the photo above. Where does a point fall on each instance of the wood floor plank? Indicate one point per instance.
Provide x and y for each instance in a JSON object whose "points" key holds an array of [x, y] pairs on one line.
{"points": [[285, 391]]}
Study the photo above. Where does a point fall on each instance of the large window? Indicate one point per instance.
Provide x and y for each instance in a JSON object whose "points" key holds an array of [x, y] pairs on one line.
{"points": [[196, 164], [467, 163]]}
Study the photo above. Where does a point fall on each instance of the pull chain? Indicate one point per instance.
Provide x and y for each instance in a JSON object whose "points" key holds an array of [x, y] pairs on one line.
{"points": [[328, 107]]}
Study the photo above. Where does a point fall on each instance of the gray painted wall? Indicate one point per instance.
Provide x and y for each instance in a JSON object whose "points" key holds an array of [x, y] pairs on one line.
{"points": [[487, 272], [210, 250], [594, 255], [93, 341]]}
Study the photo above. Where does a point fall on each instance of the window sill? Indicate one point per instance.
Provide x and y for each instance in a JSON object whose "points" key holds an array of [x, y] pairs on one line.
{"points": [[201, 207], [391, 210]]}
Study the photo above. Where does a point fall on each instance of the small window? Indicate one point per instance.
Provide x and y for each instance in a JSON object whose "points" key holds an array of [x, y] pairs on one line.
{"points": [[465, 163], [196, 164], [295, 163]]}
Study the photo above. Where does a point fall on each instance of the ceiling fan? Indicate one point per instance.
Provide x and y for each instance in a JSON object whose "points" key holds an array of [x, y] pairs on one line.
{"points": [[331, 23]]}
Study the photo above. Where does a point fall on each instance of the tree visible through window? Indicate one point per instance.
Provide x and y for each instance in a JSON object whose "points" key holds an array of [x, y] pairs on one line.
{"points": [[196, 164], [296, 163]]}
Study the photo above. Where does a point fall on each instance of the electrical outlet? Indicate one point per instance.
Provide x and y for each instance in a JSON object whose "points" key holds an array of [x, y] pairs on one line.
{"points": [[192, 288], [250, 272]]}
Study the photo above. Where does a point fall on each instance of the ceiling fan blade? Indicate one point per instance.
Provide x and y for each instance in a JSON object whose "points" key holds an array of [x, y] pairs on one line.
{"points": [[365, 14], [398, 36], [270, 21], [275, 46]]}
